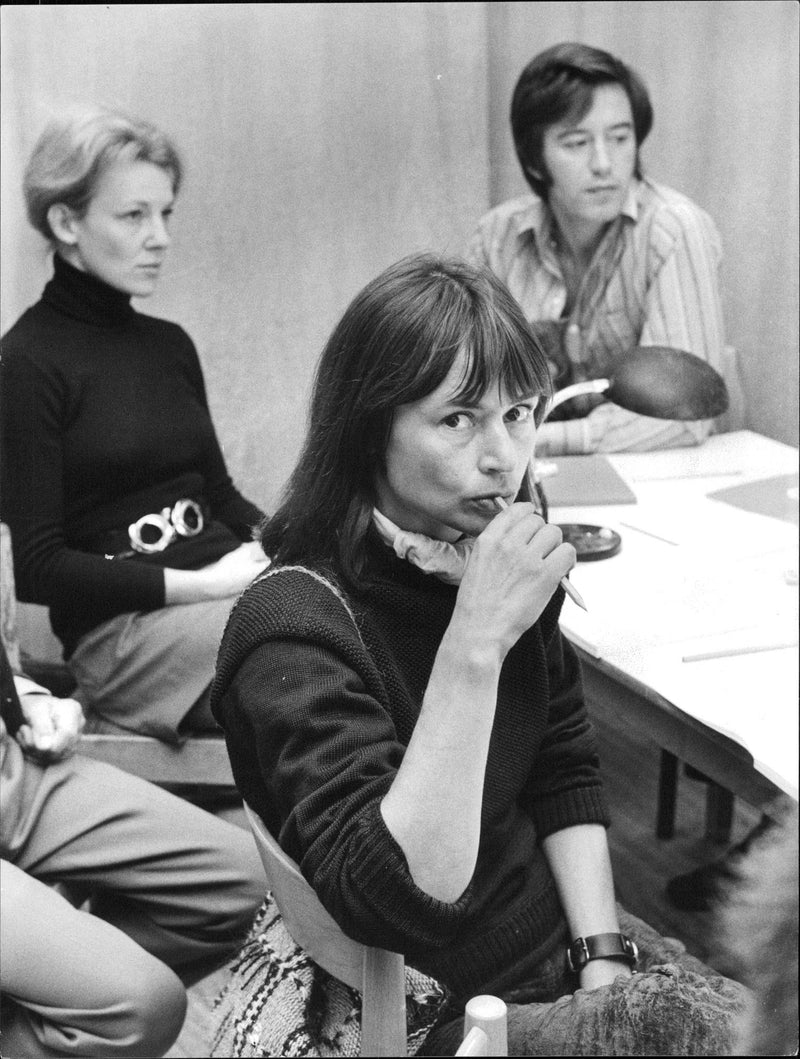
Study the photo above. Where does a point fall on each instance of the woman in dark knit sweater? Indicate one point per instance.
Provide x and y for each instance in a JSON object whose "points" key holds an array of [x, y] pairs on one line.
{"points": [[401, 708], [124, 520]]}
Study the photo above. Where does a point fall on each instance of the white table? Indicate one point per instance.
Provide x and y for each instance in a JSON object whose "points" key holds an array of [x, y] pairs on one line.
{"points": [[697, 577]]}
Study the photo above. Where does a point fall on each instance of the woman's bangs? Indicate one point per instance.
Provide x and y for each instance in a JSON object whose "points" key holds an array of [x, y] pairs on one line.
{"points": [[439, 334], [471, 314], [499, 351]]}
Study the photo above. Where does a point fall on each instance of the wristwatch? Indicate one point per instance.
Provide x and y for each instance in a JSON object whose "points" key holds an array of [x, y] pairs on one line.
{"points": [[602, 947]]}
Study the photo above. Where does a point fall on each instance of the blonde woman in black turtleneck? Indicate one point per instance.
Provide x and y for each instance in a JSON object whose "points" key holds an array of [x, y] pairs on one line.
{"points": [[125, 522]]}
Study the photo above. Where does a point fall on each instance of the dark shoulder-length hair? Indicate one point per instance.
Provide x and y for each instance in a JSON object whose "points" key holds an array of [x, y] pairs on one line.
{"points": [[395, 344], [559, 83]]}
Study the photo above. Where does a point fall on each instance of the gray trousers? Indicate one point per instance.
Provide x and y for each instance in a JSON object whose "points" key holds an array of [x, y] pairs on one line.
{"points": [[144, 672], [173, 887]]}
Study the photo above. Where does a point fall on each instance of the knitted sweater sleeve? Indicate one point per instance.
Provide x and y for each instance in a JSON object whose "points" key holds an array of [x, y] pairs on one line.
{"points": [[565, 787], [314, 750]]}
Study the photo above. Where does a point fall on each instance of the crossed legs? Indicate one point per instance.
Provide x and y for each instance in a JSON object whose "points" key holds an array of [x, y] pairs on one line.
{"points": [[172, 887]]}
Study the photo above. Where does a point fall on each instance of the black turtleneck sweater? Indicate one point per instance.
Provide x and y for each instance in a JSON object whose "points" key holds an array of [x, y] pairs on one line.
{"points": [[105, 419], [318, 694]]}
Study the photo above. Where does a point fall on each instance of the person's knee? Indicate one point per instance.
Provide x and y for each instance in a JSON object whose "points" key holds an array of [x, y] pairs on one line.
{"points": [[150, 1015], [141, 1018], [239, 890]]}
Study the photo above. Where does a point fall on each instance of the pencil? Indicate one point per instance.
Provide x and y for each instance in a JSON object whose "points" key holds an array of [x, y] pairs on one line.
{"points": [[731, 652], [572, 592]]}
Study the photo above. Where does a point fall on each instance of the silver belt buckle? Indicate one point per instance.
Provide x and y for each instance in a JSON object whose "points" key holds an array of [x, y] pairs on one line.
{"points": [[159, 522], [187, 518], [184, 519]]}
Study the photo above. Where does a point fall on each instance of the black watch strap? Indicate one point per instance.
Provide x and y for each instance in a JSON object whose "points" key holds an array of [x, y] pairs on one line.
{"points": [[602, 947]]}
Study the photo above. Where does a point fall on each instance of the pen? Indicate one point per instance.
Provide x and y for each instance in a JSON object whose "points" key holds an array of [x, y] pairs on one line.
{"points": [[647, 533], [731, 652], [687, 474], [572, 592]]}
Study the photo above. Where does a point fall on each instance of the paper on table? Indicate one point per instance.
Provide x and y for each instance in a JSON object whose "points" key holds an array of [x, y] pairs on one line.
{"points": [[767, 496], [717, 529], [687, 601], [723, 582], [734, 696]]}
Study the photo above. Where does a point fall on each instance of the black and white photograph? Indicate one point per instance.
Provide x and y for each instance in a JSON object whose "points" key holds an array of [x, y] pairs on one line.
{"points": [[399, 429]]}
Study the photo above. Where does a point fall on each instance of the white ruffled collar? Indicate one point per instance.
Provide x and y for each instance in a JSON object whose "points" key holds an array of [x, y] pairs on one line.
{"points": [[441, 558]]}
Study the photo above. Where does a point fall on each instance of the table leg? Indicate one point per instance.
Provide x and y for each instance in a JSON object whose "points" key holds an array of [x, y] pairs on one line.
{"points": [[719, 813], [667, 795]]}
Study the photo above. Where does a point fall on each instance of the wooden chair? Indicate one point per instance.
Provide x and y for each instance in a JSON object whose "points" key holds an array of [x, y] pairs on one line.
{"points": [[8, 600], [202, 761], [377, 974]]}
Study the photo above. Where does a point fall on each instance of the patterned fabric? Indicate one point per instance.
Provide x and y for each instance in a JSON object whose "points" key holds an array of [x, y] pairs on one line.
{"points": [[278, 1002], [652, 282]]}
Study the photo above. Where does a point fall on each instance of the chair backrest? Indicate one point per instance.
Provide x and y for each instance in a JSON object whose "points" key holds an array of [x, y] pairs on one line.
{"points": [[200, 761], [8, 600], [379, 975], [23, 623]]}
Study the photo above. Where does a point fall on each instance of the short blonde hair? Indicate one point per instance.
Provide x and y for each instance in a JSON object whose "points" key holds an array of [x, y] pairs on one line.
{"points": [[73, 152]]}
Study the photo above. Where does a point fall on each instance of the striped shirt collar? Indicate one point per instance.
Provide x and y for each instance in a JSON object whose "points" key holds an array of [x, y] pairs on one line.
{"points": [[538, 219]]}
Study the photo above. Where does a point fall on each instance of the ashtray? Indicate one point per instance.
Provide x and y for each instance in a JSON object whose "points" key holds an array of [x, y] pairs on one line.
{"points": [[591, 542]]}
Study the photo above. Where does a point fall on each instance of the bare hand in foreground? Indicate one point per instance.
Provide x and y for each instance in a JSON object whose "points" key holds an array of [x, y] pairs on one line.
{"points": [[513, 571]]}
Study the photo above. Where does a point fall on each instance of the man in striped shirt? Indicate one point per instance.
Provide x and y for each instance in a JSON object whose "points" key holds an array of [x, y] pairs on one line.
{"points": [[600, 258]]}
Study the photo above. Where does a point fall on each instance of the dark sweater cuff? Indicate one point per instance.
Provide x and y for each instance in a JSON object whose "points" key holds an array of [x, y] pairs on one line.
{"points": [[380, 874], [583, 805]]}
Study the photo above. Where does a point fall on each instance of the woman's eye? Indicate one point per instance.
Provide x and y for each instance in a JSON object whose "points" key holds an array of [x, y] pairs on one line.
{"points": [[456, 420], [574, 144], [133, 215], [520, 413]]}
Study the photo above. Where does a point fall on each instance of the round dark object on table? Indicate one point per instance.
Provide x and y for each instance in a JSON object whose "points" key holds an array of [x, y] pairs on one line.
{"points": [[668, 384], [591, 542]]}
